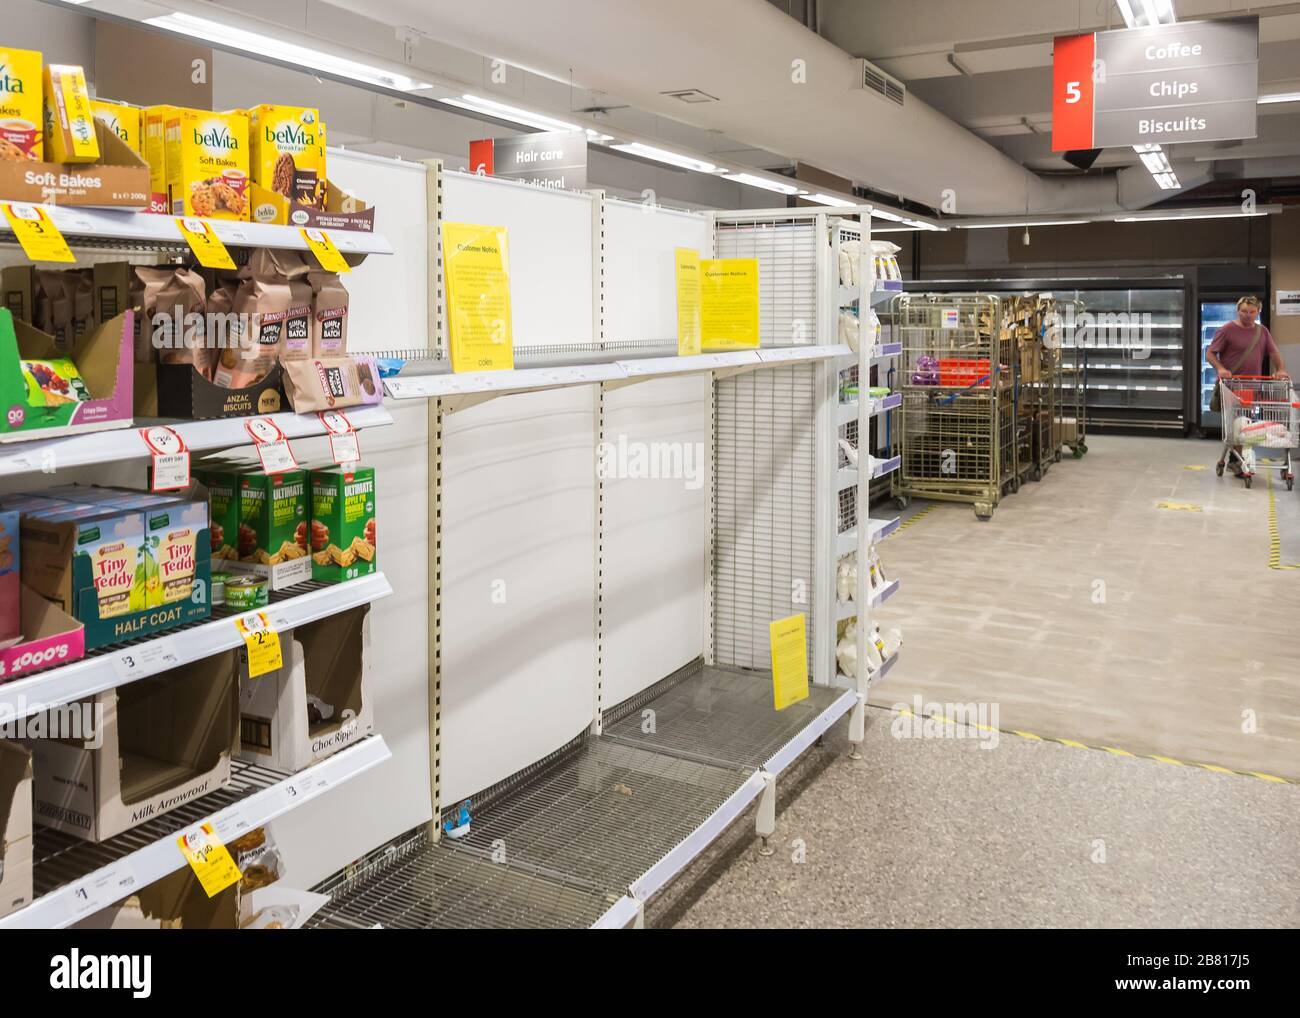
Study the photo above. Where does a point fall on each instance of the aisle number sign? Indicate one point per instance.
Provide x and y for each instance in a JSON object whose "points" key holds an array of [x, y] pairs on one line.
{"points": [[205, 243], [728, 303], [688, 302], [262, 643], [789, 661], [1190, 81], [210, 860], [40, 239], [476, 260]]}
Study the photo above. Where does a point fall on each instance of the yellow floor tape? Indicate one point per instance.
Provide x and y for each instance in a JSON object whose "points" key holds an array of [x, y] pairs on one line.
{"points": [[919, 515], [1073, 743], [1274, 535]]}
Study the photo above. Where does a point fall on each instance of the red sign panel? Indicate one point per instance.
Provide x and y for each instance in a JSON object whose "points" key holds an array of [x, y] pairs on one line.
{"points": [[480, 156], [1073, 94]]}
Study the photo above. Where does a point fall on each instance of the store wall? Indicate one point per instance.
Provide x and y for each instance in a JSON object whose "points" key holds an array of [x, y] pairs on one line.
{"points": [[1089, 248], [1286, 276]]}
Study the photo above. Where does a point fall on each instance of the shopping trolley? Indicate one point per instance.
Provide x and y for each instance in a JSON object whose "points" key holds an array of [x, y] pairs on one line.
{"points": [[1258, 413]]}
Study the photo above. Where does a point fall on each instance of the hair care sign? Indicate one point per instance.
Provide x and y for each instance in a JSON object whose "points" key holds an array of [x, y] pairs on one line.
{"points": [[476, 261], [1190, 81]]}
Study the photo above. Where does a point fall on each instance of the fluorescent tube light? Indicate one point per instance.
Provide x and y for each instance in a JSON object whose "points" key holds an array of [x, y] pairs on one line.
{"points": [[310, 60], [1190, 215], [1279, 97], [830, 199], [1167, 181], [492, 108], [1019, 223], [1126, 12], [660, 155], [765, 183]]}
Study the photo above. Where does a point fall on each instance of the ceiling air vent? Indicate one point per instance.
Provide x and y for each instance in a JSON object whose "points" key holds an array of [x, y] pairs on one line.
{"points": [[876, 80], [691, 95]]}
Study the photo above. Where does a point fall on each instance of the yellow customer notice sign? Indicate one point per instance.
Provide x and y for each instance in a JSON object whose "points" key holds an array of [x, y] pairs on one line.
{"points": [[728, 303], [477, 263], [688, 301], [789, 661]]}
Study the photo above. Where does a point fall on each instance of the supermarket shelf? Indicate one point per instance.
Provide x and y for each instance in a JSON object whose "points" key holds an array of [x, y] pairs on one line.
{"points": [[849, 609], [93, 227], [846, 478], [1134, 367], [21, 457], [849, 295], [844, 682], [848, 412], [886, 466], [501, 383], [126, 662], [74, 878], [887, 350], [879, 297], [847, 542]]}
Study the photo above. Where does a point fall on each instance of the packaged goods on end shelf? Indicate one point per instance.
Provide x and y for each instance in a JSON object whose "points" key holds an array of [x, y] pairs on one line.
{"points": [[846, 576], [884, 261], [120, 563], [849, 262], [880, 648], [853, 324], [290, 527]]}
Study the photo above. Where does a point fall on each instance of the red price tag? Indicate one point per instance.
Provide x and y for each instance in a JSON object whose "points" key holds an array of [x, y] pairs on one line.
{"points": [[171, 459], [344, 444], [272, 446]]}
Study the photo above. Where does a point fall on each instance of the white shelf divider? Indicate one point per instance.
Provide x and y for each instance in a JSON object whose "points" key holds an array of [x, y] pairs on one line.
{"points": [[76, 900], [877, 530], [849, 609], [91, 675]]}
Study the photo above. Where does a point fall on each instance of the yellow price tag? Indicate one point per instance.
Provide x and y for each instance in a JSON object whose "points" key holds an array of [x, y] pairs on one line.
{"points": [[329, 256], [688, 301], [210, 860], [205, 244], [40, 238], [263, 644], [789, 661]]}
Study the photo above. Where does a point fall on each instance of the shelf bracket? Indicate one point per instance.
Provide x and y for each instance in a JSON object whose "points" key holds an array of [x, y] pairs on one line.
{"points": [[765, 822]]}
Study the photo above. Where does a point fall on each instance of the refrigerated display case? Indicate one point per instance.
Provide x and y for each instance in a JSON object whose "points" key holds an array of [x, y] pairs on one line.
{"points": [[1217, 291], [1132, 344]]}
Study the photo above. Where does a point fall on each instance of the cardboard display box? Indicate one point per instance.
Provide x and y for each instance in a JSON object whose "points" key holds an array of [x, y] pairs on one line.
{"points": [[183, 392], [105, 359], [15, 827], [327, 661], [119, 180], [161, 742], [342, 211], [50, 636], [176, 902], [60, 558]]}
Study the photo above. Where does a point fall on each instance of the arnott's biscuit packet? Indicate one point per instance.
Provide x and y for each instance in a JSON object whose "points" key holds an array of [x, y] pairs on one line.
{"points": [[332, 383], [329, 336], [180, 334], [273, 305]]}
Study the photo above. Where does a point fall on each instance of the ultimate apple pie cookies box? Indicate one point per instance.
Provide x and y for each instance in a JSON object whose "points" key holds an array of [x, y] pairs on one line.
{"points": [[342, 523]]}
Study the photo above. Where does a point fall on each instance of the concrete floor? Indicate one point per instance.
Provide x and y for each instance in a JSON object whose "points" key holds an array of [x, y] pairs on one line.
{"points": [[943, 833], [1083, 611]]}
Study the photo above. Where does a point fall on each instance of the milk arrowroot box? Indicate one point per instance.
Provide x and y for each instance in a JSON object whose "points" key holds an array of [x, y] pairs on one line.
{"points": [[127, 122], [22, 134], [69, 121], [287, 151], [207, 164]]}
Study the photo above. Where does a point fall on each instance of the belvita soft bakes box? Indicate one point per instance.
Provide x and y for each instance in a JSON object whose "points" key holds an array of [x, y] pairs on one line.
{"points": [[206, 158], [22, 133]]}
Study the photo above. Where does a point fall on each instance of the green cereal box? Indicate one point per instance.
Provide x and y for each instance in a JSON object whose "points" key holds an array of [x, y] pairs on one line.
{"points": [[272, 517], [342, 523]]}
